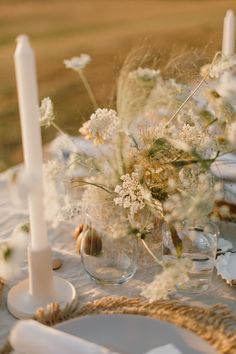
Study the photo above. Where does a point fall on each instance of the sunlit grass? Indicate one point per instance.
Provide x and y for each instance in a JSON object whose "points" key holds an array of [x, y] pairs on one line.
{"points": [[105, 29]]}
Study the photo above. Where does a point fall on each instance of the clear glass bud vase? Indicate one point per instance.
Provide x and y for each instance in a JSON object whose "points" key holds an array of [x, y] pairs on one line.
{"points": [[194, 243], [108, 260]]}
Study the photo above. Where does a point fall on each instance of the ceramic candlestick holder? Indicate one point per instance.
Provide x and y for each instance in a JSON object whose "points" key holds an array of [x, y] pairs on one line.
{"points": [[41, 288]]}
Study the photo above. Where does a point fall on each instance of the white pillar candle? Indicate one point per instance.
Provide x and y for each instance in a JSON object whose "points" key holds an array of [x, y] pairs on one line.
{"points": [[229, 34], [31, 137]]}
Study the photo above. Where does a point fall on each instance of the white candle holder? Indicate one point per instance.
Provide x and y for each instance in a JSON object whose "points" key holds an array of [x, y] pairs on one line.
{"points": [[41, 288]]}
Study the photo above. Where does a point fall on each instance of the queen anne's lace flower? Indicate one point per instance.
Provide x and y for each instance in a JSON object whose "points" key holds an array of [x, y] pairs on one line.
{"points": [[46, 112], [101, 126], [145, 74], [131, 193], [77, 63], [224, 64]]}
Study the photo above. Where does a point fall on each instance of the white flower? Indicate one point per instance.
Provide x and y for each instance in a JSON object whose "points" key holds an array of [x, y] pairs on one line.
{"points": [[13, 252], [46, 112], [101, 126], [198, 138], [145, 74], [222, 65], [131, 194], [77, 63], [166, 282], [193, 205]]}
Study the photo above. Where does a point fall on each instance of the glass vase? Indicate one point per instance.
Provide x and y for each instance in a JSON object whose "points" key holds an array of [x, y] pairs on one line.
{"points": [[108, 260], [198, 244]]}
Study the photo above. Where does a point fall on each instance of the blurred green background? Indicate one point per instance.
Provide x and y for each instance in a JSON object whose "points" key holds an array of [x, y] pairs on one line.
{"points": [[105, 29]]}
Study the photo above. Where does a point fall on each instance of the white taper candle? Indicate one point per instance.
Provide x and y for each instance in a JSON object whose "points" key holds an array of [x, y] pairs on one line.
{"points": [[31, 137], [229, 34]]}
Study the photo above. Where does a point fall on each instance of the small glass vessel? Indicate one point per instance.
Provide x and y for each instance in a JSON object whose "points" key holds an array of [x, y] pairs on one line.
{"points": [[106, 259], [197, 243]]}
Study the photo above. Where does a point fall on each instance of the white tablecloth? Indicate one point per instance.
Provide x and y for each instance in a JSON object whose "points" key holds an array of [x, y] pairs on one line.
{"points": [[63, 246]]}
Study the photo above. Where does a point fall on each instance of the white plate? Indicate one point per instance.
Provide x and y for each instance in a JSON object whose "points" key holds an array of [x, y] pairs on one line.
{"points": [[132, 334]]}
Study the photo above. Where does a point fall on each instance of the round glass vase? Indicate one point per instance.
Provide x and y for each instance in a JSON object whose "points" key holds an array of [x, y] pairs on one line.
{"points": [[198, 244], [108, 260]]}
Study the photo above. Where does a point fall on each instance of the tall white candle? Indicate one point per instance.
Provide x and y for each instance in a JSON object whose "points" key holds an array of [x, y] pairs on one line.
{"points": [[229, 34], [31, 136]]}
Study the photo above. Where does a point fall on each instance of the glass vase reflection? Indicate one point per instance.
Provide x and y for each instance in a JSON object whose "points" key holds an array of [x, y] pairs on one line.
{"points": [[195, 243], [106, 259]]}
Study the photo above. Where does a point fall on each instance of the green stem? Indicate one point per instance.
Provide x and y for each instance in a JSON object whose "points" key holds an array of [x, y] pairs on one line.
{"points": [[93, 184], [119, 155], [88, 89]]}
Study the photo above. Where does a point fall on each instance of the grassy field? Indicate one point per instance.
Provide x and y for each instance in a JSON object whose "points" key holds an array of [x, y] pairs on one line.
{"points": [[105, 29]]}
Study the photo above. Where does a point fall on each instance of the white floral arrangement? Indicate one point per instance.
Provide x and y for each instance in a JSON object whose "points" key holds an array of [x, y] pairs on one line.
{"points": [[147, 160]]}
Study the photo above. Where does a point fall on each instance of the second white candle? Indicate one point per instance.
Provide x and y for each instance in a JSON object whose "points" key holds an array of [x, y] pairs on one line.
{"points": [[229, 34]]}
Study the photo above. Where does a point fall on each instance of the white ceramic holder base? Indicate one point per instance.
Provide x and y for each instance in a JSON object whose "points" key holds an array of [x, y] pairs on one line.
{"points": [[41, 289]]}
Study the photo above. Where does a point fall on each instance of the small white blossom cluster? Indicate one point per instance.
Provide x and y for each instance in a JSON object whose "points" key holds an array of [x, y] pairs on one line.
{"points": [[223, 65], [101, 126], [145, 74], [198, 138], [77, 63], [13, 252], [193, 206], [165, 283], [131, 193], [46, 112]]}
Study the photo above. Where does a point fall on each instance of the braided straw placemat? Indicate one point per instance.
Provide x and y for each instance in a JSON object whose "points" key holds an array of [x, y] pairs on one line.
{"points": [[215, 324]]}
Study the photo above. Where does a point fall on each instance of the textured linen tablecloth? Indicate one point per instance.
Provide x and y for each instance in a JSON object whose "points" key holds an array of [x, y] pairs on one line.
{"points": [[63, 246]]}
